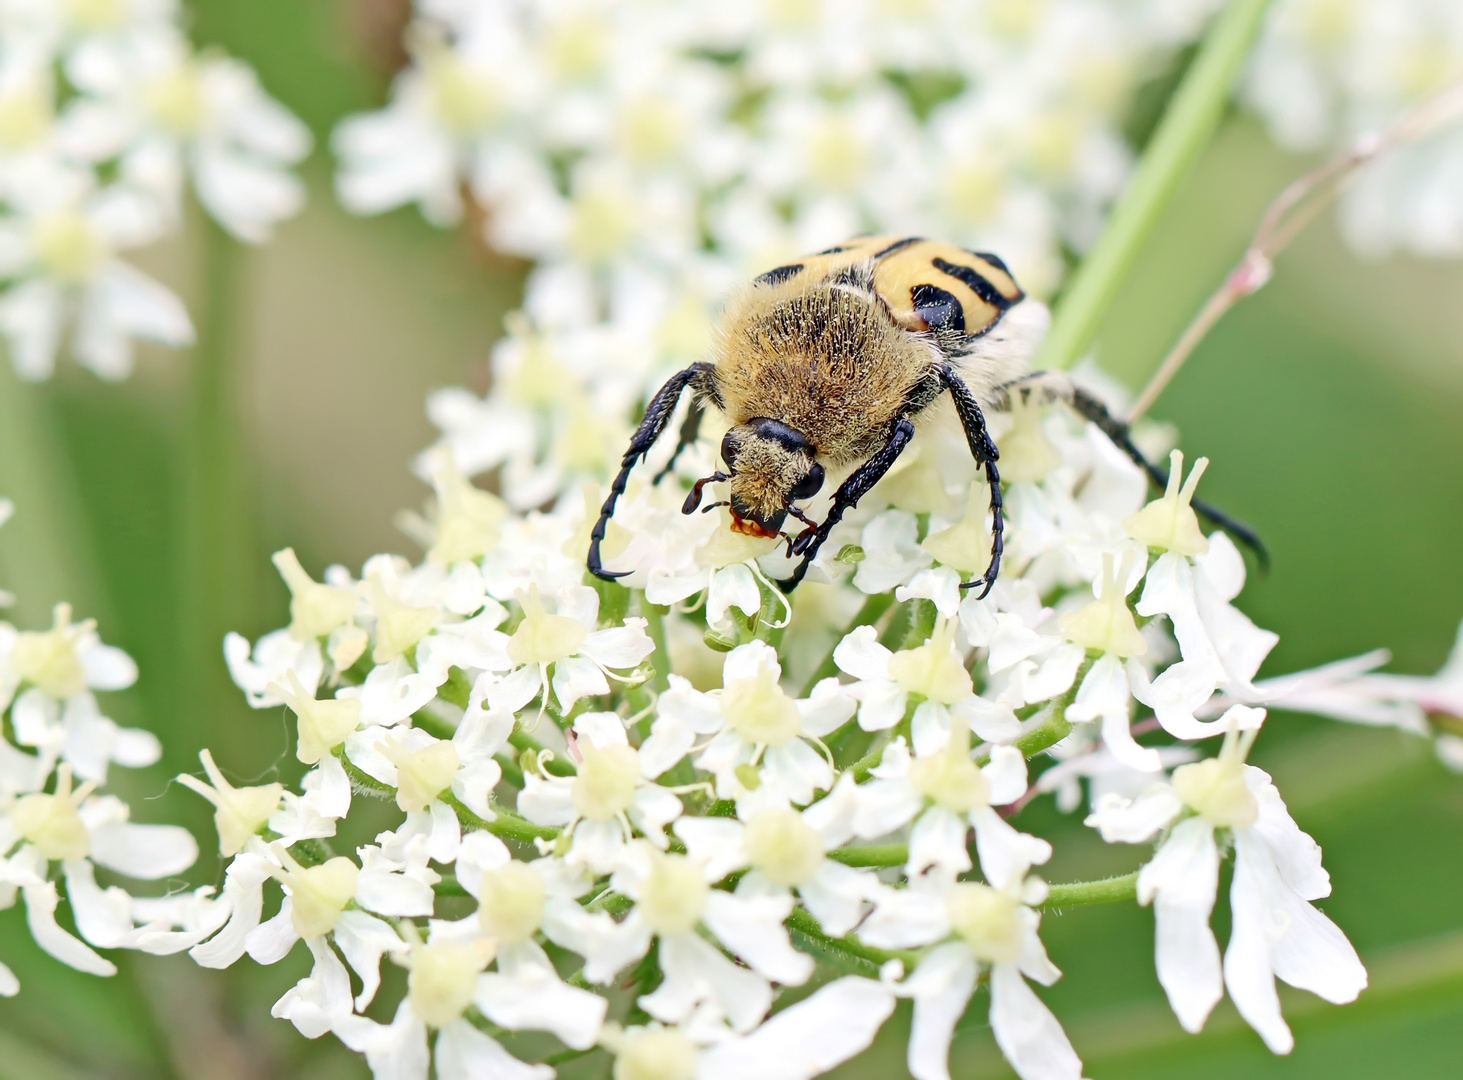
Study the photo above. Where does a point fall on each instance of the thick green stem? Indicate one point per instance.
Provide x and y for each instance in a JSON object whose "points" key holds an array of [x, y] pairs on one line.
{"points": [[45, 552], [867, 615], [1113, 890], [216, 591], [1188, 124], [850, 947]]}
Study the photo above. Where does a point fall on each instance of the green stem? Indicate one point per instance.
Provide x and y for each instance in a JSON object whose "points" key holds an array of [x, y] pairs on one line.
{"points": [[848, 947], [1113, 890], [872, 855], [1188, 124], [655, 626], [217, 564], [45, 552], [867, 615]]}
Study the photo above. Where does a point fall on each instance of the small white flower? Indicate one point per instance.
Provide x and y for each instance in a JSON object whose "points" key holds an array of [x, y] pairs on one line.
{"points": [[612, 791], [1277, 932], [978, 926], [751, 722]]}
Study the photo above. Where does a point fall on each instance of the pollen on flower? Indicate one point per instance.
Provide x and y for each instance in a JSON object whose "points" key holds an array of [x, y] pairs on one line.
{"points": [[1106, 624], [966, 545], [47, 659], [241, 812], [651, 1053], [759, 710], [933, 670], [511, 902], [605, 784], [987, 920], [323, 724], [315, 609], [398, 626], [51, 822], [421, 775], [1215, 787], [442, 977], [318, 894], [542, 638], [673, 895], [949, 777], [1169, 523], [783, 847], [68, 246]]}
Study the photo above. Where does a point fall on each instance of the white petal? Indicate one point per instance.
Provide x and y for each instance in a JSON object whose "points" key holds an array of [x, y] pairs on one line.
{"points": [[1181, 880], [860, 655], [836, 896], [809, 1038], [9, 984], [602, 729], [938, 840], [40, 915], [607, 946], [1006, 772], [244, 892], [715, 842], [1006, 853], [320, 1000], [465, 1053], [827, 708], [745, 661], [271, 941], [527, 994], [795, 771], [147, 852], [733, 586], [1104, 693], [941, 987], [397, 1051], [619, 646], [751, 927], [103, 916], [1027, 1032], [1128, 821], [905, 918], [576, 677], [696, 972], [362, 940]]}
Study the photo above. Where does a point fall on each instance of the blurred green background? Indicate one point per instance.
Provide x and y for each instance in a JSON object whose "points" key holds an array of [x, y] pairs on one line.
{"points": [[1330, 404]]}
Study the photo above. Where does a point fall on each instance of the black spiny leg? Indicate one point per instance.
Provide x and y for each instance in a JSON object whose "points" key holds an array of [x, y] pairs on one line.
{"points": [[986, 454], [657, 415], [849, 493], [689, 428], [1088, 406]]}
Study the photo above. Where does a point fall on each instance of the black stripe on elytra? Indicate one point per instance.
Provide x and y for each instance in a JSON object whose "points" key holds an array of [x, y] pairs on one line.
{"points": [[892, 248], [777, 275], [938, 308], [979, 285], [996, 261]]}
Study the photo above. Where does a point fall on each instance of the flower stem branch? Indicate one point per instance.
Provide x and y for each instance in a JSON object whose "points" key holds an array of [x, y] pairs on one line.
{"points": [[847, 948], [1188, 124], [1114, 890], [1283, 221]]}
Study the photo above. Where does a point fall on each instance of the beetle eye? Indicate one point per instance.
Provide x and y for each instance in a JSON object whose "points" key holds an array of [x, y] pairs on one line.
{"points": [[729, 451], [809, 485]]}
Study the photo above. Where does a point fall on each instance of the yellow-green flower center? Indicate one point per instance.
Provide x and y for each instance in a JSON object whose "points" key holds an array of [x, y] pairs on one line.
{"points": [[760, 711], [988, 921], [542, 638], [511, 902], [673, 895], [783, 847]]}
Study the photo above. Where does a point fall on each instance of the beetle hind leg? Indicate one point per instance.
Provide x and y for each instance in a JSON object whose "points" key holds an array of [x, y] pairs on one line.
{"points": [[985, 453]]}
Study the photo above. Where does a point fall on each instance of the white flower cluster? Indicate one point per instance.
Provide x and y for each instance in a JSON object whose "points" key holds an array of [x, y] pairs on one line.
{"points": [[55, 828], [646, 153], [1326, 71], [670, 800], [107, 114]]}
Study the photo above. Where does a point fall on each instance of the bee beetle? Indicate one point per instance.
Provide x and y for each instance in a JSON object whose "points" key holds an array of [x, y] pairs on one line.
{"points": [[834, 359]]}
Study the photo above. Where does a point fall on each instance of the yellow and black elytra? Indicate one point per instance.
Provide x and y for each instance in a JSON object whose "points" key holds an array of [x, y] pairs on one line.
{"points": [[832, 360]]}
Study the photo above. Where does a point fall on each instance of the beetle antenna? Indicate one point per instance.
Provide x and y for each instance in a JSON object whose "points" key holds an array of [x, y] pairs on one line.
{"points": [[693, 500]]}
